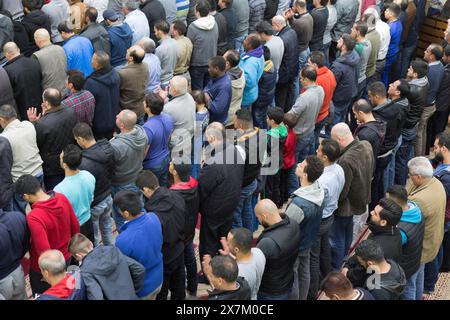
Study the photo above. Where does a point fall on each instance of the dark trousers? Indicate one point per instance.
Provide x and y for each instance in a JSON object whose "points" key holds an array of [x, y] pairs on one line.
{"points": [[320, 257], [432, 272], [37, 283], [87, 229], [272, 189], [210, 236], [103, 135], [174, 280], [377, 187], [191, 267], [199, 77], [50, 181], [284, 95], [436, 125]]}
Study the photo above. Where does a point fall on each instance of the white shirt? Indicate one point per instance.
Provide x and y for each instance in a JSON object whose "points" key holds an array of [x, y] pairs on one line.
{"points": [[138, 23], [385, 38], [332, 181]]}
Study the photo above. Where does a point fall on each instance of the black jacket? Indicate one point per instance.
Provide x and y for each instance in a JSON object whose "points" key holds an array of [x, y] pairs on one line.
{"points": [[7, 96], [253, 144], [217, 199], [345, 70], [170, 209], [33, 21], [110, 275], [25, 77], [154, 11], [373, 132], [53, 133], [231, 19], [241, 293], [417, 98], [289, 67], [222, 41], [271, 9], [391, 285], [320, 18], [99, 160], [443, 95], [98, 36], [279, 243], [394, 114], [266, 86], [6, 183], [412, 250], [191, 200]]}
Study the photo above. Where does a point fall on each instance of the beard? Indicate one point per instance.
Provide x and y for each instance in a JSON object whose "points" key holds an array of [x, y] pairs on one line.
{"points": [[439, 157]]}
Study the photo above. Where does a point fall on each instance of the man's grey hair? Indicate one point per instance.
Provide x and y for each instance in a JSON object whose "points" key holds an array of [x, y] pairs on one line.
{"points": [[52, 261], [8, 112], [103, 59], [147, 44], [179, 84], [420, 166], [130, 4], [216, 130]]}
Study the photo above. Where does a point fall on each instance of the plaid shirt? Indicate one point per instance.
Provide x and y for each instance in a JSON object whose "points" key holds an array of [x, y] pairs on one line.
{"points": [[83, 103]]}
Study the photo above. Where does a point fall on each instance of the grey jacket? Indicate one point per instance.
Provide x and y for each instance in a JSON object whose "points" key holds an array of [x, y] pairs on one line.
{"points": [[204, 34], [306, 108], [13, 6], [53, 63], [129, 153], [98, 36], [6, 33], [365, 54], [347, 11], [167, 52], [7, 94], [110, 275]]}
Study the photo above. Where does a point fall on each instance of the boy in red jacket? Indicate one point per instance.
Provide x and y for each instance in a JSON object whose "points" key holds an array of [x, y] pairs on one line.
{"points": [[52, 223]]}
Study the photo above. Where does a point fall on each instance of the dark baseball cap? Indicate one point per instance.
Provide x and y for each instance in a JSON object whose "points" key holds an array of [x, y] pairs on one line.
{"points": [[110, 15]]}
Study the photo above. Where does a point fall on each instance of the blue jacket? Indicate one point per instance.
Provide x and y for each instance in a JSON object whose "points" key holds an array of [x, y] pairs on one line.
{"points": [[14, 241], [141, 239], [412, 215], [121, 37], [252, 63], [266, 86], [395, 29], [345, 69], [105, 86], [219, 89], [435, 75], [79, 52]]}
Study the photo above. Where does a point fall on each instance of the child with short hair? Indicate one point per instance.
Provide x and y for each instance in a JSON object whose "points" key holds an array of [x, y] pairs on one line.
{"points": [[201, 122], [288, 179]]}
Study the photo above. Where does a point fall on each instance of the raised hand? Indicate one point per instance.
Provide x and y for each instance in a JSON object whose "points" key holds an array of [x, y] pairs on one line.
{"points": [[33, 115]]}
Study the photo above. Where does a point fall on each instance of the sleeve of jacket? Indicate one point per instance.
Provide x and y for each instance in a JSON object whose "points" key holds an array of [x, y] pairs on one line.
{"points": [[6, 182], [137, 272], [294, 212], [348, 179], [219, 103], [251, 72], [38, 234], [93, 289]]}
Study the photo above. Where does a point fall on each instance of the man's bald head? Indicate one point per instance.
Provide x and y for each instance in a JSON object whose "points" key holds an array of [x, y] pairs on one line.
{"points": [[135, 54], [215, 132], [178, 86], [11, 50], [267, 212], [278, 23], [342, 134], [52, 262], [42, 38], [126, 119]]}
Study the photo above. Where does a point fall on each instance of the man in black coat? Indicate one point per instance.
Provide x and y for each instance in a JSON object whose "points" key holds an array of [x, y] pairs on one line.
{"points": [[154, 11], [170, 209], [6, 183], [25, 78], [98, 159], [220, 184], [53, 132]]}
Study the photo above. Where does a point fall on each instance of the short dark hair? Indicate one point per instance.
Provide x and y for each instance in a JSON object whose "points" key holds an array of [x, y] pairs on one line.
{"points": [[103, 59], [403, 87], [64, 27], [155, 103], [336, 283], [92, 14], [444, 139], [398, 192], [391, 212], [254, 40], [318, 58], [180, 27], [309, 73], [243, 239], [314, 168], [72, 156], [265, 27], [30, 4], [244, 115], [361, 27], [52, 96], [233, 58], [370, 250], [447, 51], [27, 184], [437, 51], [203, 8], [349, 42], [276, 114], [137, 57], [218, 62], [266, 53], [225, 267], [183, 170], [290, 120], [163, 26], [199, 96], [377, 88], [363, 106], [83, 130], [76, 78], [300, 3], [420, 67], [147, 179], [331, 149], [129, 201], [394, 8]]}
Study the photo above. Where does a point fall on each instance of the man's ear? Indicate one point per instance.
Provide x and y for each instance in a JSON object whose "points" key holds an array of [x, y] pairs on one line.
{"points": [[383, 223]]}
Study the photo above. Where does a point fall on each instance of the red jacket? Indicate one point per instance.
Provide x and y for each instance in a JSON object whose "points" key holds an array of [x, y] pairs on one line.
{"points": [[52, 224], [289, 150], [325, 79]]}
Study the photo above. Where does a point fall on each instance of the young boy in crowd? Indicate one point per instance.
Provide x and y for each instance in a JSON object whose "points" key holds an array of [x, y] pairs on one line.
{"points": [[201, 122], [288, 179]]}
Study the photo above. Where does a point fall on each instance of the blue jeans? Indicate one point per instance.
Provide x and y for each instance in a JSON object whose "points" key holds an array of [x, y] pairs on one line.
{"points": [[115, 189], [284, 296], [18, 204], [414, 285], [304, 147], [238, 43], [161, 171], [191, 268], [404, 154], [326, 51], [390, 62], [319, 126], [340, 115], [260, 116], [254, 201], [431, 273], [341, 237], [101, 220], [389, 173], [199, 77], [242, 213]]}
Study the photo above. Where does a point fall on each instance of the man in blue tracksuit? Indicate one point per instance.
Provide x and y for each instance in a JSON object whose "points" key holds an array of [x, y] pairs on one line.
{"points": [[395, 29]]}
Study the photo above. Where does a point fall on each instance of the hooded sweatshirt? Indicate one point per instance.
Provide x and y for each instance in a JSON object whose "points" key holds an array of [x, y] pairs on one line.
{"points": [[306, 209], [66, 290], [252, 63], [32, 21], [237, 77], [345, 69], [204, 35], [121, 37], [128, 155], [373, 132]]}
